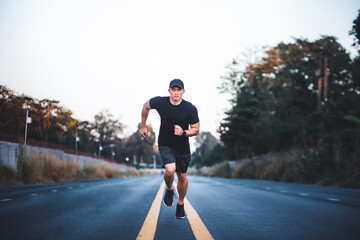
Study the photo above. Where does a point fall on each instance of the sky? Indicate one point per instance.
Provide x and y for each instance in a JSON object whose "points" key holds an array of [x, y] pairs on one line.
{"points": [[93, 55]]}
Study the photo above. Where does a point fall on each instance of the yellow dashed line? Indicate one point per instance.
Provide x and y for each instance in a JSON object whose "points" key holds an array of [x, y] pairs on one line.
{"points": [[198, 227], [149, 227]]}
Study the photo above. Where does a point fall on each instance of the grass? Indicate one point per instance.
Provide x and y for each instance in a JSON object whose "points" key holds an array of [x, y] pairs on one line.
{"points": [[290, 166], [45, 168], [218, 170], [7, 174]]}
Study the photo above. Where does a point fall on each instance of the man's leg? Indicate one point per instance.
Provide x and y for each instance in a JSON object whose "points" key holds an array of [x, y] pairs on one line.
{"points": [[169, 175], [169, 179], [182, 186]]}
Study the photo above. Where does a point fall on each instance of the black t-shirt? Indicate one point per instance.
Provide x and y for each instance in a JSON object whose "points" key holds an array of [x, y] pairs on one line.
{"points": [[183, 114]]}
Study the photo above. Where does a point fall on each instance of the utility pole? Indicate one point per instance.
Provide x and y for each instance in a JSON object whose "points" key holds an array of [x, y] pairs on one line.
{"points": [[322, 72], [318, 73], [28, 120], [154, 160], [100, 148], [326, 84], [76, 139]]}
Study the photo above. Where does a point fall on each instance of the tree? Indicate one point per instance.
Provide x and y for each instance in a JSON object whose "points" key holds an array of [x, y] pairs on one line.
{"points": [[105, 130], [274, 102], [12, 114], [48, 118], [354, 113], [355, 31], [236, 129], [205, 143], [142, 148], [86, 143]]}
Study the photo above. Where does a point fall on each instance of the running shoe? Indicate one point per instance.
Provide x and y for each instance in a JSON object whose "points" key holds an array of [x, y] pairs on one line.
{"points": [[168, 198], [180, 212]]}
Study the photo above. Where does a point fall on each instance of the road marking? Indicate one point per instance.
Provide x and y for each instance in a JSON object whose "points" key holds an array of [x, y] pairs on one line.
{"points": [[198, 227], [304, 194], [333, 199], [5, 200], [268, 188], [34, 194], [55, 190], [149, 227], [70, 187]]}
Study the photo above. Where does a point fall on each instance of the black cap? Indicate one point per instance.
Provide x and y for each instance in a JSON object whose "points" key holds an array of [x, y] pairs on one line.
{"points": [[177, 83]]}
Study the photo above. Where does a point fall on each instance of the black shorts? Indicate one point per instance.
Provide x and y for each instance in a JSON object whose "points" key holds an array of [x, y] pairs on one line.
{"points": [[169, 155]]}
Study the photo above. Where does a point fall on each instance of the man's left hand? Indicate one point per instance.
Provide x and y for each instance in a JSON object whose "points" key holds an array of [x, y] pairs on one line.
{"points": [[178, 130]]}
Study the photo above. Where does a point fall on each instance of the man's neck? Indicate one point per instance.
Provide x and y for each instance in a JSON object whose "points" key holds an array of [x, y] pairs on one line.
{"points": [[173, 102]]}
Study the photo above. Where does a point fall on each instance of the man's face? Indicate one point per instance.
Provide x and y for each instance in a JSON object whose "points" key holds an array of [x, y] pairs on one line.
{"points": [[176, 93]]}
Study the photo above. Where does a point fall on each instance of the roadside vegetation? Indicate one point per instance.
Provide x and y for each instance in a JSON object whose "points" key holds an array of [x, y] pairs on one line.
{"points": [[294, 166], [45, 168], [294, 115]]}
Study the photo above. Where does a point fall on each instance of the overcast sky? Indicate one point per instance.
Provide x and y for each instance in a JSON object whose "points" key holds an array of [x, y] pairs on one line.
{"points": [[116, 54]]}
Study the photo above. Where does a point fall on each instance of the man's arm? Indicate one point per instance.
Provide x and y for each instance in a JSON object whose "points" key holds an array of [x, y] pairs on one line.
{"points": [[144, 115], [193, 131]]}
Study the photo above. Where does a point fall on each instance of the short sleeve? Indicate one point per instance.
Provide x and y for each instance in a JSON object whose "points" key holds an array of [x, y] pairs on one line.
{"points": [[194, 118], [154, 102]]}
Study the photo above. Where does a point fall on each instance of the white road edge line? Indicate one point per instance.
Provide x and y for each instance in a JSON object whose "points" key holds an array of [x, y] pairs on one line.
{"points": [[304, 194], [5, 200], [333, 199], [34, 194]]}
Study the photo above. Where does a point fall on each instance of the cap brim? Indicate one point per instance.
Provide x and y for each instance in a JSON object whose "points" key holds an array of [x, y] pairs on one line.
{"points": [[176, 85]]}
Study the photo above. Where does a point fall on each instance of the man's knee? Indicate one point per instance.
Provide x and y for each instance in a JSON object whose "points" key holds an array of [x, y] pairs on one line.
{"points": [[170, 169], [182, 177]]}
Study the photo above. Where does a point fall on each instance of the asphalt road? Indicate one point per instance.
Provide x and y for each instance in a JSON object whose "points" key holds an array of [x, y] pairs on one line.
{"points": [[230, 209]]}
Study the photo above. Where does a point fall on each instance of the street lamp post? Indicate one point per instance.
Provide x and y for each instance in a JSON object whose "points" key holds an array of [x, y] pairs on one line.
{"points": [[112, 150], [77, 139], [100, 148], [27, 120], [112, 154]]}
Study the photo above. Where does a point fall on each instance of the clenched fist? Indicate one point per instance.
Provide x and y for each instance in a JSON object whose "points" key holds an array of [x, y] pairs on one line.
{"points": [[143, 132], [178, 130]]}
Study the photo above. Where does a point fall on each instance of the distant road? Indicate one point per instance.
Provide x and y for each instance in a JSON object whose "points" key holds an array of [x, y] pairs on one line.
{"points": [[229, 208]]}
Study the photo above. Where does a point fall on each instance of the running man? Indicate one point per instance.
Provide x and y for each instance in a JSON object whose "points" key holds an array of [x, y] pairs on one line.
{"points": [[176, 116]]}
